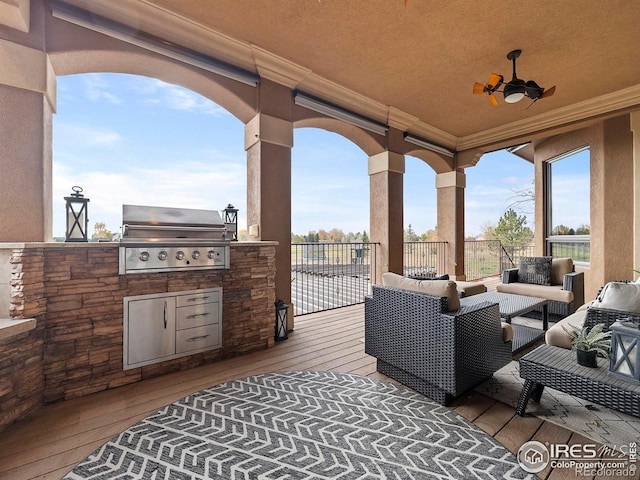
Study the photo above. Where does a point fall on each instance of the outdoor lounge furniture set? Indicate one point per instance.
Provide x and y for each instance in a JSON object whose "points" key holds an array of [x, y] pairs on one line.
{"points": [[429, 336], [554, 365]]}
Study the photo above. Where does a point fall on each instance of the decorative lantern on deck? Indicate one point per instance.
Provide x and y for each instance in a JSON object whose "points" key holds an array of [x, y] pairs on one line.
{"points": [[282, 320], [77, 218], [231, 221], [625, 351]]}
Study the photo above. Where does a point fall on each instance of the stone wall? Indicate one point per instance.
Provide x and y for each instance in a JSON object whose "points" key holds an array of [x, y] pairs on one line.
{"points": [[21, 375], [76, 295]]}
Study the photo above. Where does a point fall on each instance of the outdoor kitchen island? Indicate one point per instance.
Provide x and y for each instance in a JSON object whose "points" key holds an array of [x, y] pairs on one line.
{"points": [[75, 293]]}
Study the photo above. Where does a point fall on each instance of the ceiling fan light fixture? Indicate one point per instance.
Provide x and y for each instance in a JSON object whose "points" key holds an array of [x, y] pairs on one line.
{"points": [[514, 91]]}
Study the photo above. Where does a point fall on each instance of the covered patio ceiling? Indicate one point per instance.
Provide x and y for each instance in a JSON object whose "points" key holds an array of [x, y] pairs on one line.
{"points": [[412, 64]]}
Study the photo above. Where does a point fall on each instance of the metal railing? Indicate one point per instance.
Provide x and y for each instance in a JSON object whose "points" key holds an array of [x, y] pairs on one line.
{"points": [[424, 259], [330, 275], [578, 247], [486, 258], [333, 275]]}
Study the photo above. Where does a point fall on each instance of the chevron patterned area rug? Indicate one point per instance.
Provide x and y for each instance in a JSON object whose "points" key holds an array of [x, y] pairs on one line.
{"points": [[298, 425], [594, 421]]}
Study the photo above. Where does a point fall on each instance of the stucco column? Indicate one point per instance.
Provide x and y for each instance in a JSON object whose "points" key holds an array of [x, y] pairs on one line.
{"points": [[27, 100], [268, 142], [635, 128], [386, 172], [450, 187]]}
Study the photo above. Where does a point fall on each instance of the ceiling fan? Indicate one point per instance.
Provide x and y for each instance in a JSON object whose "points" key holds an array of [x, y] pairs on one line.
{"points": [[516, 89]]}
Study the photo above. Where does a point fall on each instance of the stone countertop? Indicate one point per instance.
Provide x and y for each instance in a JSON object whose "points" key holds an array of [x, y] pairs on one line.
{"points": [[12, 245], [10, 327]]}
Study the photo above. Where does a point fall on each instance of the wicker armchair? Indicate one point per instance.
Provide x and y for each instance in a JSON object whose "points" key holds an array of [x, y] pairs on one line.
{"points": [[570, 286], [438, 353]]}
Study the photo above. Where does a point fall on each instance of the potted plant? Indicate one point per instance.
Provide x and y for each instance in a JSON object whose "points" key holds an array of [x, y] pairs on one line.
{"points": [[588, 344]]}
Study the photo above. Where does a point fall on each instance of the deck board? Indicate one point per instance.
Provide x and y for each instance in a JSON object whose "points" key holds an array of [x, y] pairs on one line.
{"points": [[51, 441]]}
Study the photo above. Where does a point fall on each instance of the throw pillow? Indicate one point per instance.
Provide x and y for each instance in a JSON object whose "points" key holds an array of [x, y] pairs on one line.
{"points": [[621, 296], [536, 270]]}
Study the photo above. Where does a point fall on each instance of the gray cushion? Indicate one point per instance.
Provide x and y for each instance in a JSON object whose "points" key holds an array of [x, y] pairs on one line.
{"points": [[536, 270], [437, 288]]}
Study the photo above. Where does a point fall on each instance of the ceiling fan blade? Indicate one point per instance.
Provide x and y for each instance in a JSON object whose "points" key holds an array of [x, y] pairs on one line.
{"points": [[478, 88], [533, 90], [548, 92], [494, 80], [494, 100]]}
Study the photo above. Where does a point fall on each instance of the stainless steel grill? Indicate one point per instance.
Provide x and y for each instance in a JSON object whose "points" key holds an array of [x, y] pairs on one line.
{"points": [[159, 239]]}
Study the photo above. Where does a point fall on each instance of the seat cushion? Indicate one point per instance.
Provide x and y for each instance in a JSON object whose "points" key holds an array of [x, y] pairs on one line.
{"points": [[550, 292], [559, 268], [507, 331], [557, 337], [437, 288]]}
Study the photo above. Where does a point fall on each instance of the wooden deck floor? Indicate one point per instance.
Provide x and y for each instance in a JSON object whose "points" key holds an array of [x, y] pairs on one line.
{"points": [[50, 442]]}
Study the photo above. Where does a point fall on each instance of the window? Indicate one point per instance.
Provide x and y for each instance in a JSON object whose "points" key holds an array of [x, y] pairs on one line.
{"points": [[568, 206]]}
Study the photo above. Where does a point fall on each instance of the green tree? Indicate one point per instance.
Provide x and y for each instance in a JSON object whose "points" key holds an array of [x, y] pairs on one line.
{"points": [[560, 230], [430, 235], [365, 237], [512, 230], [410, 235], [583, 230]]}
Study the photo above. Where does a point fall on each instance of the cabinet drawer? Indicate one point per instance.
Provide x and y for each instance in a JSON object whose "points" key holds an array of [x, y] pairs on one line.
{"points": [[197, 315], [197, 298], [197, 338]]}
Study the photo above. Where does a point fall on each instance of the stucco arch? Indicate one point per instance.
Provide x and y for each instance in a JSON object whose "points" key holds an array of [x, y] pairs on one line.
{"points": [[436, 161], [370, 143], [75, 50]]}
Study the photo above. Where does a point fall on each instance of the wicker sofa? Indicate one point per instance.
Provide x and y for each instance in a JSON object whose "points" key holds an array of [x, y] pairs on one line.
{"points": [[438, 352], [565, 291], [617, 300]]}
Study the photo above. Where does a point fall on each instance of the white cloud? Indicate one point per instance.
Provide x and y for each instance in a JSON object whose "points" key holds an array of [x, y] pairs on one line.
{"points": [[158, 93], [97, 89], [197, 186], [83, 136]]}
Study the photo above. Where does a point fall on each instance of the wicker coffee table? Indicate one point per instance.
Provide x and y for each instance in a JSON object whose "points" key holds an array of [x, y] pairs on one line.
{"points": [[556, 368], [510, 306]]}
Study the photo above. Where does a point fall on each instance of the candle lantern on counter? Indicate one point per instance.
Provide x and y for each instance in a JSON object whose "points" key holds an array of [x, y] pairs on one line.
{"points": [[231, 222], [77, 219]]}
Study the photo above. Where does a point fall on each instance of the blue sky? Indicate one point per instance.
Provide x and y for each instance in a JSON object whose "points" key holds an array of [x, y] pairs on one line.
{"points": [[135, 140]]}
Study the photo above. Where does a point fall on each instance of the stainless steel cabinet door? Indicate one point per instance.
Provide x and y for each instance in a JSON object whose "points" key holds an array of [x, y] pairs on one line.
{"points": [[151, 330]]}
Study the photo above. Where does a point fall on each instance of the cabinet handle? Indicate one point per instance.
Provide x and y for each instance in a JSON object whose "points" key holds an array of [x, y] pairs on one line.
{"points": [[165, 314], [196, 315], [195, 339], [193, 299]]}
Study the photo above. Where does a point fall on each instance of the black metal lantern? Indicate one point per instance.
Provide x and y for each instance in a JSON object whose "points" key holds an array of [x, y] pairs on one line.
{"points": [[625, 351], [282, 320], [77, 218], [231, 221]]}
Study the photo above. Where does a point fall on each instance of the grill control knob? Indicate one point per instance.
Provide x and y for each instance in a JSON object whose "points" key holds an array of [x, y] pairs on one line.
{"points": [[144, 256], [213, 254], [179, 254], [162, 255], [195, 254]]}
